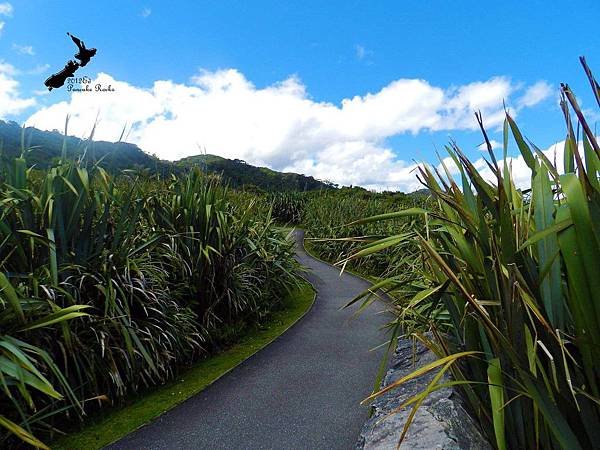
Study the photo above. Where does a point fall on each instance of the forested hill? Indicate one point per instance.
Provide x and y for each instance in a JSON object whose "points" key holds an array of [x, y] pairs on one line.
{"points": [[45, 147], [238, 173]]}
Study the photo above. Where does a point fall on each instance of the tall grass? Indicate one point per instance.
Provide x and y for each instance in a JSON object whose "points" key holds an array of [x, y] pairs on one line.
{"points": [[108, 285], [510, 288], [330, 218], [289, 207]]}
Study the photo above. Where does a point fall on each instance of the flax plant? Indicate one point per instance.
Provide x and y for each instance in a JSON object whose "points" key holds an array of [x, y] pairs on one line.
{"points": [[510, 288], [326, 218], [109, 285]]}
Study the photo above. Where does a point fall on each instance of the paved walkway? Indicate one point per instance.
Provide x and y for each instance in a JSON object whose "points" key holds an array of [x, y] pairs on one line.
{"points": [[301, 392]]}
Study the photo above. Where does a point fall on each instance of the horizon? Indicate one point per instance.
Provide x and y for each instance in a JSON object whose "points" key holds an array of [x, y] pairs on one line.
{"points": [[351, 99]]}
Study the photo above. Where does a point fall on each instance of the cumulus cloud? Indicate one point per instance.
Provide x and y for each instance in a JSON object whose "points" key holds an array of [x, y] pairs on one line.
{"points": [[280, 125], [23, 49], [11, 101], [520, 171], [6, 9], [535, 94]]}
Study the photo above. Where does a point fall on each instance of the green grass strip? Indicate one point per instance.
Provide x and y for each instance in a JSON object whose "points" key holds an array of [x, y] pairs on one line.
{"points": [[117, 423]]}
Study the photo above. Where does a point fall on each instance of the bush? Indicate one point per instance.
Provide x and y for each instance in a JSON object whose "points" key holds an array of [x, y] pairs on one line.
{"points": [[288, 207], [511, 292], [109, 285], [334, 231]]}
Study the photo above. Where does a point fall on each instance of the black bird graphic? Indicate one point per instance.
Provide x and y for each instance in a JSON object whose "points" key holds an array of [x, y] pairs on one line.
{"points": [[85, 54], [58, 79]]}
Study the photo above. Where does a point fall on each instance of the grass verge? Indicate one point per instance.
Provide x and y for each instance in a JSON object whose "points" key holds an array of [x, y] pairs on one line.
{"points": [[117, 423]]}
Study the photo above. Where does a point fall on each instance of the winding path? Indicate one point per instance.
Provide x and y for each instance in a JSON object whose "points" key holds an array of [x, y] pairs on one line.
{"points": [[303, 391]]}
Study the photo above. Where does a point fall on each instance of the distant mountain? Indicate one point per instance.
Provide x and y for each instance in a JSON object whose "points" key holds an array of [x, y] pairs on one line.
{"points": [[45, 147], [239, 173]]}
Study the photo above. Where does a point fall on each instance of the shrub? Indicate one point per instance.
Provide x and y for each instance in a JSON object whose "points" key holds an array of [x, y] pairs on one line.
{"points": [[109, 285], [510, 289]]}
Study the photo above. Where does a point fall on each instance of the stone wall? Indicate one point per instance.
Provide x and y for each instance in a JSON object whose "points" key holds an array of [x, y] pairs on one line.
{"points": [[440, 423]]}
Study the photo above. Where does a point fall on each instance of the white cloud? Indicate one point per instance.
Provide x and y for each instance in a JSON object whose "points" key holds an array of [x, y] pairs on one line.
{"points": [[280, 125], [535, 94], [6, 9], [483, 96], [359, 163], [23, 49], [146, 12], [8, 69], [448, 164], [520, 171], [592, 116], [11, 101], [495, 144], [362, 52]]}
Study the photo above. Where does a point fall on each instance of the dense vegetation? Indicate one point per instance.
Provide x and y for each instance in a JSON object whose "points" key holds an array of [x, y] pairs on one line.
{"points": [[333, 230], [238, 173], [110, 284], [506, 288]]}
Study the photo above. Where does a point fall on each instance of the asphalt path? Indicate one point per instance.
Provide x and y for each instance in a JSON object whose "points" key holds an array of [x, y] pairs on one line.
{"points": [[303, 391]]}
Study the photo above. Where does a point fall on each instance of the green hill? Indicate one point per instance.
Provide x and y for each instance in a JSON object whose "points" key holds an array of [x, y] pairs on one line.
{"points": [[44, 147], [239, 173]]}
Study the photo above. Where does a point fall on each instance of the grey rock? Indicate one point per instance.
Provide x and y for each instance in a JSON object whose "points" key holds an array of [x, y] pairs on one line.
{"points": [[440, 423]]}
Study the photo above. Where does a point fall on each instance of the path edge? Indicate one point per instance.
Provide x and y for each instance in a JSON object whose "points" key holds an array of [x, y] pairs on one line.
{"points": [[258, 350], [254, 353]]}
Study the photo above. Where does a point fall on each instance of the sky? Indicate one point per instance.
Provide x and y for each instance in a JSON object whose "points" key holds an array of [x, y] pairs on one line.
{"points": [[353, 92]]}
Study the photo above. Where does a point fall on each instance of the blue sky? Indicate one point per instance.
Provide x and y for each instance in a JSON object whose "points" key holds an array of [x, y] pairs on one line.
{"points": [[350, 91]]}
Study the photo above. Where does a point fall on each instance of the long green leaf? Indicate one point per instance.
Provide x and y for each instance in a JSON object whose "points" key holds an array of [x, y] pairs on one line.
{"points": [[21, 433], [7, 291], [496, 388]]}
